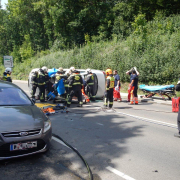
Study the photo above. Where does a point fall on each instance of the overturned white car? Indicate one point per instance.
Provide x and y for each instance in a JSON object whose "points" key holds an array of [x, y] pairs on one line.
{"points": [[99, 81]]}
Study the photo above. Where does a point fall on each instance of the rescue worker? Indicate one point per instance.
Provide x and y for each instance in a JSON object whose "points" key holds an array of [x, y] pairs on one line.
{"points": [[48, 84], [34, 81], [42, 83], [131, 76], [178, 117], [58, 76], [117, 86], [7, 75], [76, 84], [133, 86], [109, 88], [90, 85], [71, 69]]}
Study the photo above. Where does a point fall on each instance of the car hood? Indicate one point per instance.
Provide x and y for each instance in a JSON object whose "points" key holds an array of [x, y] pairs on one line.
{"points": [[20, 118]]}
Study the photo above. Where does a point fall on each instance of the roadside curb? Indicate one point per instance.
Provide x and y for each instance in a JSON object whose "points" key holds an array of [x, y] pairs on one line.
{"points": [[21, 81]]}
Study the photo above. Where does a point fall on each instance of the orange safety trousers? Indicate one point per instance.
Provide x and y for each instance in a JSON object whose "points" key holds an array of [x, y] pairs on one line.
{"points": [[133, 100]]}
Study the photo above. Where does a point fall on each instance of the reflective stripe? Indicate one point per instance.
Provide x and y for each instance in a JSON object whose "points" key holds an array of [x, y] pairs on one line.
{"points": [[68, 102], [80, 102], [90, 83], [110, 102], [77, 83]]}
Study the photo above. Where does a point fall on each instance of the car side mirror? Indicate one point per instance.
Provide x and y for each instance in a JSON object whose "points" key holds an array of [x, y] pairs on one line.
{"points": [[33, 100]]}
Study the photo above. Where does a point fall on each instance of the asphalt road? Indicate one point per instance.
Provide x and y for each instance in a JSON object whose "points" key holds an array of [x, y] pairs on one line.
{"points": [[132, 142]]}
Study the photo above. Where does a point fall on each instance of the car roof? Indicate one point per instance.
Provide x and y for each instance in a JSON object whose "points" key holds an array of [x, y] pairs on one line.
{"points": [[7, 84]]}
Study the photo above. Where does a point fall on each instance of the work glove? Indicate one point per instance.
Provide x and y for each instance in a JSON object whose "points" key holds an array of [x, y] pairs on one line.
{"points": [[131, 69], [135, 68], [117, 88]]}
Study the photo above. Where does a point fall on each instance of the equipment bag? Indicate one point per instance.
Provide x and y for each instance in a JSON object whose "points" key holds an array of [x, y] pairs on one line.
{"points": [[175, 104], [52, 72]]}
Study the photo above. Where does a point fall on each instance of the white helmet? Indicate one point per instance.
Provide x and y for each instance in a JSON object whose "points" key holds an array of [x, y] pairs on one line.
{"points": [[44, 68], [8, 70], [72, 68], [88, 70], [60, 69], [68, 72]]}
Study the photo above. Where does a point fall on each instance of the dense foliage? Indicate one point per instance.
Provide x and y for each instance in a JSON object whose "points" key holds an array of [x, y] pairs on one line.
{"points": [[94, 33]]}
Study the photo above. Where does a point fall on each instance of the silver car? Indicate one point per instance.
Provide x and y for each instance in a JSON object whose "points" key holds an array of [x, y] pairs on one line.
{"points": [[24, 128]]}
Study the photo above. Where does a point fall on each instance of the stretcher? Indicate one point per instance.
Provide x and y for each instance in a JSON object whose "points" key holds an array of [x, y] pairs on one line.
{"points": [[162, 91]]}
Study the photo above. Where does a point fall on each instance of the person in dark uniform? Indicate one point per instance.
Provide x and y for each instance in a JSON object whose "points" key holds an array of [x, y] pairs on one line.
{"points": [[90, 85], [48, 85], [42, 83], [58, 76], [34, 81], [117, 86], [133, 86], [178, 117], [109, 89], [7, 75], [76, 84]]}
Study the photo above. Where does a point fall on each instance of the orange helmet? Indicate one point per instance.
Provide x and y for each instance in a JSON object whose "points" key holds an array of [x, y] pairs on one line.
{"points": [[108, 72]]}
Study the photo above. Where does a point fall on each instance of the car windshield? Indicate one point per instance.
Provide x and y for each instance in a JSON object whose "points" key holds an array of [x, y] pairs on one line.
{"points": [[13, 97]]}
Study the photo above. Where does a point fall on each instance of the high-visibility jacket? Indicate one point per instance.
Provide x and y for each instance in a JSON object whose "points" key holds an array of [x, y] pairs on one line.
{"points": [[75, 80], [90, 79], [110, 82], [58, 77], [7, 77], [41, 77], [46, 77], [34, 78]]}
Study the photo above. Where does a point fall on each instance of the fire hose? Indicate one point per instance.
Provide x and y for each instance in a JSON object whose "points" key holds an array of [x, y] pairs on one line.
{"points": [[84, 161]]}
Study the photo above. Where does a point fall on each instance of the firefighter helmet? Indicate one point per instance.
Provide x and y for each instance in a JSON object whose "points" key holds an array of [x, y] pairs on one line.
{"points": [[72, 68], [8, 70], [60, 69], [44, 68], [88, 71], [108, 72]]}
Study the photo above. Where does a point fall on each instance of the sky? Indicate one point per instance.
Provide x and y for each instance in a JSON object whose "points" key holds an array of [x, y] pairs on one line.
{"points": [[3, 2]]}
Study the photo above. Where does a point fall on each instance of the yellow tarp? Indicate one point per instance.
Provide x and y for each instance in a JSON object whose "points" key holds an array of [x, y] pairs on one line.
{"points": [[44, 105]]}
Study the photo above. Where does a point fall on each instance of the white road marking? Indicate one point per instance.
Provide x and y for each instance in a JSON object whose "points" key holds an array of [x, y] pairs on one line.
{"points": [[115, 171], [151, 120], [100, 124], [59, 141]]}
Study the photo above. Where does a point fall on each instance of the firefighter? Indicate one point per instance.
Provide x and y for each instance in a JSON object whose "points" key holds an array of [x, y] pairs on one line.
{"points": [[76, 84], [34, 81], [42, 83], [133, 86], [7, 75], [58, 76], [71, 69], [117, 87], [131, 76], [48, 85], [109, 88], [90, 84]]}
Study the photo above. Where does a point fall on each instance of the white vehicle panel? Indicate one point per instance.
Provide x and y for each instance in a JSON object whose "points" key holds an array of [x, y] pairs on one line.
{"points": [[99, 74]]}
